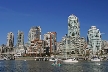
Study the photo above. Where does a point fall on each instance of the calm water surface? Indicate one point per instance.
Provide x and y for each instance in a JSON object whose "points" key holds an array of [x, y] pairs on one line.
{"points": [[35, 66]]}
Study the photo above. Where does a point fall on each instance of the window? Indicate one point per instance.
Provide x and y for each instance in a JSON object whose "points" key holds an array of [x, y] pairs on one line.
{"points": [[69, 25], [52, 37], [74, 21], [96, 35], [19, 37], [68, 41], [46, 38], [73, 34], [100, 36], [52, 43], [78, 33], [88, 32], [77, 20]]}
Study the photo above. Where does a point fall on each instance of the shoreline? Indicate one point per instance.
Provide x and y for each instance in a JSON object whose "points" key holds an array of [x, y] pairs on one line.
{"points": [[42, 59]]}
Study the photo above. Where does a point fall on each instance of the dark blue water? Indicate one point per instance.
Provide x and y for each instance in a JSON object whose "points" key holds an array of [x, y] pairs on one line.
{"points": [[35, 66]]}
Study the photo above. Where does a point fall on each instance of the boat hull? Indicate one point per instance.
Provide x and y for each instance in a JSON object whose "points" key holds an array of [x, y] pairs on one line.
{"points": [[70, 61], [52, 60], [95, 60]]}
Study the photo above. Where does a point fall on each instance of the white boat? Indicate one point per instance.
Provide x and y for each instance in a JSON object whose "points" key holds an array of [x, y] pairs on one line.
{"points": [[1, 59], [5, 58], [70, 60], [95, 59], [73, 60], [52, 59]]}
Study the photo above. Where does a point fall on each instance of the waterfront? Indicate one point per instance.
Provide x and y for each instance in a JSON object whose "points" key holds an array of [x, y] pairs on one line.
{"points": [[72, 44], [37, 66]]}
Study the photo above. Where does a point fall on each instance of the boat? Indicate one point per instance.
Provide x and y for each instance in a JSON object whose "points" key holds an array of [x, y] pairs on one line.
{"points": [[1, 59], [52, 59], [6, 58], [95, 59], [70, 60]]}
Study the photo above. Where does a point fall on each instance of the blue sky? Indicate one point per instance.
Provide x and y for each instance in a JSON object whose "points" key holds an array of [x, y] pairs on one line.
{"points": [[51, 15]]}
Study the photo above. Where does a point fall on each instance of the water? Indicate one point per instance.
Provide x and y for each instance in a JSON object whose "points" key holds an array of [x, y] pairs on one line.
{"points": [[35, 66]]}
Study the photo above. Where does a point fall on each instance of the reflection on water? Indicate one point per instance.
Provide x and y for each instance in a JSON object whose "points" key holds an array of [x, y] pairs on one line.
{"points": [[35, 66]]}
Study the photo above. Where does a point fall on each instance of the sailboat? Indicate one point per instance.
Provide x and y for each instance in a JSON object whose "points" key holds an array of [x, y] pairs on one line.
{"points": [[72, 60]]}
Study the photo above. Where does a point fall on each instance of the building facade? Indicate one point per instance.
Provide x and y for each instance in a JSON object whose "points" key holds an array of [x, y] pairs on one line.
{"points": [[10, 39], [73, 27], [73, 37], [20, 38], [82, 45], [20, 48], [51, 42], [105, 46], [62, 45], [94, 40], [34, 33]]}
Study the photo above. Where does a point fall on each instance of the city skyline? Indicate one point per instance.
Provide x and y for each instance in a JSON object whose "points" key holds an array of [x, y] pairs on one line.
{"points": [[12, 17]]}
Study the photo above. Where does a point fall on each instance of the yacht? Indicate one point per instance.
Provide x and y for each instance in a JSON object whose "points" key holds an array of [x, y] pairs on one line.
{"points": [[95, 59], [70, 60]]}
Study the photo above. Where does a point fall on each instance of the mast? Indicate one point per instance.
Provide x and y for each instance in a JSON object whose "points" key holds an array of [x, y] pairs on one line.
{"points": [[66, 48]]}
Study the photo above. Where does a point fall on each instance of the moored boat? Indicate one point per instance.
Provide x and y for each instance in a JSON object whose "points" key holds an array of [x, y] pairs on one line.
{"points": [[70, 60], [95, 59]]}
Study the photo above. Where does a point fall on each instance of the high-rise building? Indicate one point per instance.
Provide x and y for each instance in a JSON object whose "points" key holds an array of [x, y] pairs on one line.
{"points": [[94, 40], [10, 39], [34, 33], [20, 38], [73, 36], [51, 42], [73, 27]]}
